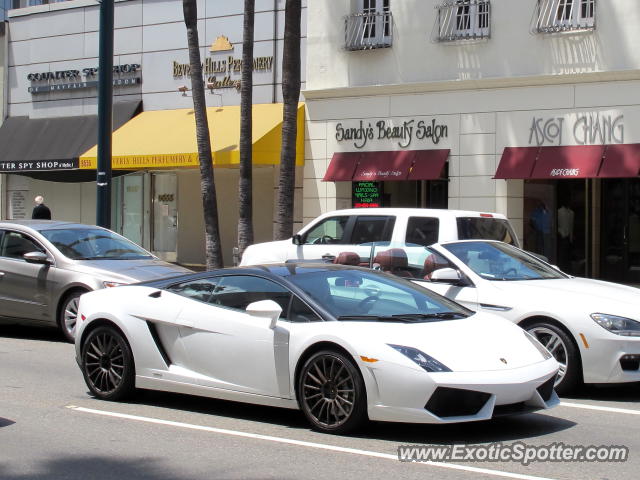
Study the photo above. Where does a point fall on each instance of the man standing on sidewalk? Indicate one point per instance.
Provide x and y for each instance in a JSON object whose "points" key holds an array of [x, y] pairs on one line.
{"points": [[40, 211]]}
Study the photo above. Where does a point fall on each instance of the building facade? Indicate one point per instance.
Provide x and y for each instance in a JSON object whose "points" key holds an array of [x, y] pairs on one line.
{"points": [[529, 108], [52, 80]]}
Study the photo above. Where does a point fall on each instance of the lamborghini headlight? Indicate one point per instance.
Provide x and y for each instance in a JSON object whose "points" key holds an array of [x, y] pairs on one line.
{"points": [[428, 363], [618, 325], [545, 353]]}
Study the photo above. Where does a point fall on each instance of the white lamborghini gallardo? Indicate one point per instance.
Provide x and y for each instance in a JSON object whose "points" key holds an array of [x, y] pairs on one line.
{"points": [[343, 344]]}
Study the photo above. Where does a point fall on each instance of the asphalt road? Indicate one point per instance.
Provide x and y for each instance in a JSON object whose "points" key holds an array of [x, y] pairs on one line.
{"points": [[50, 428]]}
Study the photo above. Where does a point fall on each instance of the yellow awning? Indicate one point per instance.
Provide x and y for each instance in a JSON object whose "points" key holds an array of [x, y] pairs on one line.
{"points": [[167, 139]]}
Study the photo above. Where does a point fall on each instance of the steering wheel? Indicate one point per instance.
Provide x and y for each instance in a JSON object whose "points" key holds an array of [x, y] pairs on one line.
{"points": [[366, 303], [325, 239], [510, 271]]}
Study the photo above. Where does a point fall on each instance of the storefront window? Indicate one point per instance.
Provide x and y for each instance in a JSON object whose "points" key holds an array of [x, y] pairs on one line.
{"points": [[555, 223]]}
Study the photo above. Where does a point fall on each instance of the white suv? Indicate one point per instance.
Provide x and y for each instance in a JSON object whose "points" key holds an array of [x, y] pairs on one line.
{"points": [[351, 230]]}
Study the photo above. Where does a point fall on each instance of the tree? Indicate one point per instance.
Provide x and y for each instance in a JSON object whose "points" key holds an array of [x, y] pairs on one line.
{"points": [[207, 186], [291, 97], [245, 220]]}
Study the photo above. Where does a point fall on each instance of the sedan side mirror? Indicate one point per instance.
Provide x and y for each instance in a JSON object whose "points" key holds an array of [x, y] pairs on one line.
{"points": [[265, 309], [446, 275], [297, 239], [37, 257]]}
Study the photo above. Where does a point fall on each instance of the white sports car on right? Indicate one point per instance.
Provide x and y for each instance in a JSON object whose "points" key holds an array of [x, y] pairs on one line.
{"points": [[591, 327]]}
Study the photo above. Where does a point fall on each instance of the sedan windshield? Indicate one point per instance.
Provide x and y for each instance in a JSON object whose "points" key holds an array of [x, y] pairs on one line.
{"points": [[93, 244], [499, 261], [361, 295]]}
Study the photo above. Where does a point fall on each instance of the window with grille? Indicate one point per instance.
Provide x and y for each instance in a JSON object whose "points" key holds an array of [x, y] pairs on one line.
{"points": [[564, 15], [464, 19]]}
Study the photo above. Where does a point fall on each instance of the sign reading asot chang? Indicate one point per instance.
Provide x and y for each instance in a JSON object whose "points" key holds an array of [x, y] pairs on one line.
{"points": [[412, 133], [597, 128]]}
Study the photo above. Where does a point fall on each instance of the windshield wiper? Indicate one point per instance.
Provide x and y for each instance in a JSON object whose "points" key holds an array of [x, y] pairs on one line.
{"points": [[435, 315], [376, 318]]}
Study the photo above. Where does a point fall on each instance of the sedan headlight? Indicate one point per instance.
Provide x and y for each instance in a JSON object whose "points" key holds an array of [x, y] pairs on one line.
{"points": [[430, 364], [112, 284], [545, 353], [618, 325]]}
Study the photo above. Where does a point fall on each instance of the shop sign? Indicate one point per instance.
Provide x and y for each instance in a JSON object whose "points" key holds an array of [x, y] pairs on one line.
{"points": [[589, 129], [42, 82], [402, 132], [220, 70], [43, 166], [17, 205], [366, 194]]}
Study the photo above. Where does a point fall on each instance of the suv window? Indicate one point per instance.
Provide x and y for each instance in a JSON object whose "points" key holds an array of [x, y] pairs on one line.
{"points": [[238, 291], [330, 230], [485, 228], [16, 244], [422, 230], [372, 229]]}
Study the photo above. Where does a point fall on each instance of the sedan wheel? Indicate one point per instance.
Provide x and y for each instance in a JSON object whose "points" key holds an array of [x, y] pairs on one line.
{"points": [[69, 315], [563, 350], [107, 364], [332, 393]]}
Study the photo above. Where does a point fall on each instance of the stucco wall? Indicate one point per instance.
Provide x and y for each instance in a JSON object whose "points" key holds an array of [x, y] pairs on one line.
{"points": [[511, 52]]}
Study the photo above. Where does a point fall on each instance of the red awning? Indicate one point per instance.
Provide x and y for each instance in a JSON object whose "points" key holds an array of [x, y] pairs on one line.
{"points": [[428, 164], [386, 166], [568, 162], [383, 166], [517, 162], [621, 161], [342, 166]]}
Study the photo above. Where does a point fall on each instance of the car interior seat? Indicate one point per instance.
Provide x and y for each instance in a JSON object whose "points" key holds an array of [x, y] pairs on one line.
{"points": [[393, 261], [431, 264], [347, 258]]}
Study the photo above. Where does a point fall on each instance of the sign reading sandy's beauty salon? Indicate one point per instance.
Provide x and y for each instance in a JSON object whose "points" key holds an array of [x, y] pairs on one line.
{"points": [[374, 134]]}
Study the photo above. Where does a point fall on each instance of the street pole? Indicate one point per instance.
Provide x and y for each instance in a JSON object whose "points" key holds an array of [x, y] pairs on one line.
{"points": [[105, 115]]}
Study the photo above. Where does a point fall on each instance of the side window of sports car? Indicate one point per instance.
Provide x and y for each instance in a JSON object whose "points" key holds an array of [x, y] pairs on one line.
{"points": [[238, 291], [200, 289], [300, 312]]}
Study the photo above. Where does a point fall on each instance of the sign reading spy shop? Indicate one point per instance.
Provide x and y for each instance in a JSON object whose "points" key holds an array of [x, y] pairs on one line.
{"points": [[42, 82]]}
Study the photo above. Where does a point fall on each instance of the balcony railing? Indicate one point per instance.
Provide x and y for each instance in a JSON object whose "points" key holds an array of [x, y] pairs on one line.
{"points": [[364, 31], [552, 16], [463, 20]]}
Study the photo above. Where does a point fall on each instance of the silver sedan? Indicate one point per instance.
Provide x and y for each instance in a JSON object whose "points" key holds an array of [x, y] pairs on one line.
{"points": [[46, 265]]}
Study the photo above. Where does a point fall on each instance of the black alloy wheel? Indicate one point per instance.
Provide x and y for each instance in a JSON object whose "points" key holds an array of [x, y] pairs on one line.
{"points": [[332, 394], [107, 364]]}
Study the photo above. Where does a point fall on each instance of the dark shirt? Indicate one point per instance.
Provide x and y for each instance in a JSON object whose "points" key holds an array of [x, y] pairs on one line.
{"points": [[41, 212]]}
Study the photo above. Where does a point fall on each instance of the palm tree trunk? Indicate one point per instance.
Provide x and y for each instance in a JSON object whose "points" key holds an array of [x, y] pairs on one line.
{"points": [[207, 185], [245, 220], [291, 97]]}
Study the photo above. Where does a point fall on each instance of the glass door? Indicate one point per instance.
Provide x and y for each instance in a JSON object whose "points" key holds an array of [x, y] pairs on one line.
{"points": [[620, 234], [133, 207], [165, 215]]}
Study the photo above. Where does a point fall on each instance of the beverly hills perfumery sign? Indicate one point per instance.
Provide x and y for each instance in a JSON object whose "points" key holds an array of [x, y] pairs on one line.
{"points": [[222, 70], [385, 134]]}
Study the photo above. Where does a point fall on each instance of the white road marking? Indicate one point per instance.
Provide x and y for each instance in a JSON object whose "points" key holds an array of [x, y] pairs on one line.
{"points": [[628, 411], [301, 443]]}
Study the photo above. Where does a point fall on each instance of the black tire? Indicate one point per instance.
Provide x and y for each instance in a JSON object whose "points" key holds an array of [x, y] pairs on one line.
{"points": [[564, 350], [331, 393], [107, 364], [68, 314]]}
